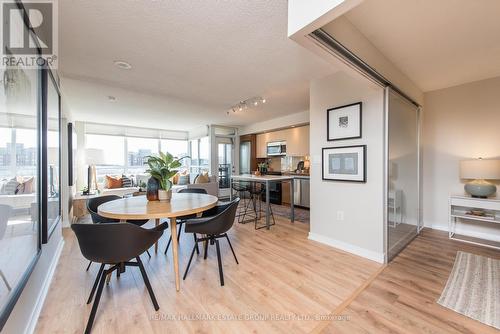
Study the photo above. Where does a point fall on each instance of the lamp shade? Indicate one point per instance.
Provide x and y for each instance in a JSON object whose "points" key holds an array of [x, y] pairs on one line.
{"points": [[94, 156], [480, 169]]}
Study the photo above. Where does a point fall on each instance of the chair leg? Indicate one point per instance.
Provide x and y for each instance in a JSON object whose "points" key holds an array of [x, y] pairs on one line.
{"points": [[148, 254], [4, 279], [88, 329], [179, 231], [168, 244], [189, 263], [148, 285], [205, 250], [219, 260], [170, 238], [232, 250], [88, 267], [97, 279], [196, 244]]}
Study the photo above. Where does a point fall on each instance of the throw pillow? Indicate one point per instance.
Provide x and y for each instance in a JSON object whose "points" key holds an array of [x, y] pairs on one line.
{"points": [[25, 187], [10, 187], [175, 179], [183, 180], [126, 182], [3, 182], [202, 178], [113, 182]]}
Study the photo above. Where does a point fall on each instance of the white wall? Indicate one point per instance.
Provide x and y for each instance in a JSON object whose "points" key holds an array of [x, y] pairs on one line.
{"points": [[460, 122], [276, 123], [362, 230], [302, 13]]}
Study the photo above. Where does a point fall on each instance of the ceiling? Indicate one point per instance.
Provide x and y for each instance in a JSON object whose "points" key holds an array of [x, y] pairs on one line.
{"points": [[203, 55], [437, 44]]}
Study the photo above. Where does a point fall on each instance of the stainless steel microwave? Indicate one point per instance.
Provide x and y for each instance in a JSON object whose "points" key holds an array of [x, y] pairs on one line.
{"points": [[276, 148]]}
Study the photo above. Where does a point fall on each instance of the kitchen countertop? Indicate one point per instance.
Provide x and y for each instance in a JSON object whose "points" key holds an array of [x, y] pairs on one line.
{"points": [[265, 178], [297, 175]]}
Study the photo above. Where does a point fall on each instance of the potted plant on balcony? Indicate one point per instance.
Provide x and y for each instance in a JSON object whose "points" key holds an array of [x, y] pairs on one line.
{"points": [[162, 169]]}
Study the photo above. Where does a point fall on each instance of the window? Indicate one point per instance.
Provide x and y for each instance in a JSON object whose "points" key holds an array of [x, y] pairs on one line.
{"points": [[6, 151], [200, 156], [26, 152], [137, 151], [107, 153], [178, 148], [19, 176], [52, 167], [18, 152]]}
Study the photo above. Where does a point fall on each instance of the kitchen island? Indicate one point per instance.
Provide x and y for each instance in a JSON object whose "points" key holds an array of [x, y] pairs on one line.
{"points": [[266, 180]]}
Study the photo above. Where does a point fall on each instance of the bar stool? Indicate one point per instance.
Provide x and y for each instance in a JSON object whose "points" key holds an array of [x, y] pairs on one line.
{"points": [[257, 192], [242, 188]]}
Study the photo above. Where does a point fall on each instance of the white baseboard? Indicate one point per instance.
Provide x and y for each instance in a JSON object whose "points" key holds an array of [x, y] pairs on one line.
{"points": [[368, 254], [30, 329]]}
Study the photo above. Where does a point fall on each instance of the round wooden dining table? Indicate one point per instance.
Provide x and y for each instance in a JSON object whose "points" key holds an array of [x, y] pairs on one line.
{"points": [[134, 208]]}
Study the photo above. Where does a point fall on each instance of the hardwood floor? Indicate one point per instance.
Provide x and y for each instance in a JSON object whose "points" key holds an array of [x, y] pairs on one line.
{"points": [[402, 299], [281, 274]]}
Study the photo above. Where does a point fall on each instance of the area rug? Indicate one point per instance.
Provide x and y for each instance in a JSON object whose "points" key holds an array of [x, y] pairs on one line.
{"points": [[301, 215], [473, 288]]}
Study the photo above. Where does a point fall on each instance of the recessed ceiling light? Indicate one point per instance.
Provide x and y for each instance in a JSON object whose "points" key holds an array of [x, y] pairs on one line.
{"points": [[111, 98], [121, 64]]}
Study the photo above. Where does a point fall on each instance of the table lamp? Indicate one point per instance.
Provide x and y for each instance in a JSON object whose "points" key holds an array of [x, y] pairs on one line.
{"points": [[480, 170], [93, 156]]}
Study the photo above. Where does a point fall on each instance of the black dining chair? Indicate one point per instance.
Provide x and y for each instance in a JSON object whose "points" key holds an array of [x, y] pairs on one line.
{"points": [[93, 204], [214, 227], [115, 244], [182, 220]]}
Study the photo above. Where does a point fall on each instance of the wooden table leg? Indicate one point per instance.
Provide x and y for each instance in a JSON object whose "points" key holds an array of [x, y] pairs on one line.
{"points": [[175, 245], [157, 222]]}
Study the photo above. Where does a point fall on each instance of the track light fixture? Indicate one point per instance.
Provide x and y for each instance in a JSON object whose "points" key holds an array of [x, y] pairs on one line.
{"points": [[246, 104]]}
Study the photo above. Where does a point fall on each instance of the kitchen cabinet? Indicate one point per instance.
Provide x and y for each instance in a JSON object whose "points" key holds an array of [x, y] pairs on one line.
{"points": [[285, 193], [262, 145], [297, 141]]}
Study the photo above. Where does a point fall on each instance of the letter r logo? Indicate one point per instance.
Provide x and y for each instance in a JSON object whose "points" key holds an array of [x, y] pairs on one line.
{"points": [[15, 36]]}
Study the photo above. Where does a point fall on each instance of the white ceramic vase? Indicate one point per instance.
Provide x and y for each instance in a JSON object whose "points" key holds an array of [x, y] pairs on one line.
{"points": [[164, 195]]}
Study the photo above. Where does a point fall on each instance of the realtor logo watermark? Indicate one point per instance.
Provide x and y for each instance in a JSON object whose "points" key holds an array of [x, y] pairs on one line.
{"points": [[29, 47]]}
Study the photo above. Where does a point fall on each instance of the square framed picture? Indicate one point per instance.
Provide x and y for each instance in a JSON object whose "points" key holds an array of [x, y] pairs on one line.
{"points": [[347, 163], [344, 122]]}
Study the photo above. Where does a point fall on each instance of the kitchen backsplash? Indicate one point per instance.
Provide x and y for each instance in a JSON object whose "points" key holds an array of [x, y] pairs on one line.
{"points": [[285, 164]]}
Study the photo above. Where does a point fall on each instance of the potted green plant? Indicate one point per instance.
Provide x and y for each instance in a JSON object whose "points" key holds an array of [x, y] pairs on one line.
{"points": [[163, 168], [262, 167]]}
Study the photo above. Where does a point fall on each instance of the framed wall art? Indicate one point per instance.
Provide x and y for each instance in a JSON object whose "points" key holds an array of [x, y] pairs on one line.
{"points": [[344, 122], [347, 163]]}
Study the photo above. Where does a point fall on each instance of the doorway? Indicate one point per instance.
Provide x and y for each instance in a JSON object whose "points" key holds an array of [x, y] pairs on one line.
{"points": [[225, 164]]}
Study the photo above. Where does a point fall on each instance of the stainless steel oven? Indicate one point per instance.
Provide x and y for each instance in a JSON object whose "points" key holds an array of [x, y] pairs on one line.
{"points": [[276, 148]]}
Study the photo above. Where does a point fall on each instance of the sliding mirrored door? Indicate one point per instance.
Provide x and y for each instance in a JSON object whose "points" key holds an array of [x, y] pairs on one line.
{"points": [[402, 197]]}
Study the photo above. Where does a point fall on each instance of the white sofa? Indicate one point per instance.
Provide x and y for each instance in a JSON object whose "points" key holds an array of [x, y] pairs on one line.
{"points": [[119, 191], [18, 201], [211, 187]]}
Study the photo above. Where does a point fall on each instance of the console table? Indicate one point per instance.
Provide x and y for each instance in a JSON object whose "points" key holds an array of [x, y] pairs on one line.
{"points": [[459, 206]]}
